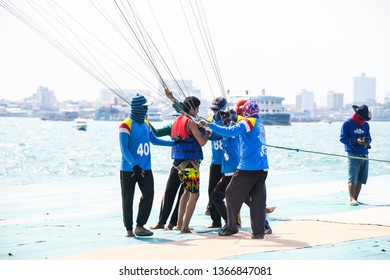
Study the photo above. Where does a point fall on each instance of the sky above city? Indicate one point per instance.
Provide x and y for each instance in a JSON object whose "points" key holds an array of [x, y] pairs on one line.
{"points": [[282, 46]]}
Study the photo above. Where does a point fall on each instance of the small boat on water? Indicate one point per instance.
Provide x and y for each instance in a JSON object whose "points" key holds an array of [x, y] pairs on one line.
{"points": [[155, 115], [80, 124]]}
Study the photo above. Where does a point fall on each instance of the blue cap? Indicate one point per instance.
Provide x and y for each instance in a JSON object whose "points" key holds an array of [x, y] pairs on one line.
{"points": [[219, 104]]}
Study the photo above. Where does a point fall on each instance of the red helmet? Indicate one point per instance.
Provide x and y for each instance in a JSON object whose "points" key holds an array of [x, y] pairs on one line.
{"points": [[240, 106]]}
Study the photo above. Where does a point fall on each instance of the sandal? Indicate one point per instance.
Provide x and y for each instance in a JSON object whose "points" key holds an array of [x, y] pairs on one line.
{"points": [[143, 232], [224, 232]]}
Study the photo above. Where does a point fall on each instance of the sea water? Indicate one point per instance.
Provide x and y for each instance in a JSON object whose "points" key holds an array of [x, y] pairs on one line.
{"points": [[33, 151]]}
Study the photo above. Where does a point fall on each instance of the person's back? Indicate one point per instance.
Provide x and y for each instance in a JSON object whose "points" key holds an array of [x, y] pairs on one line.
{"points": [[250, 176], [139, 138], [253, 144], [252, 141]]}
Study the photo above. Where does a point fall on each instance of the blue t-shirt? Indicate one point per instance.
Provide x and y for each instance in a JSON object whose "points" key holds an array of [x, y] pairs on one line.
{"points": [[216, 145], [231, 156], [253, 149]]}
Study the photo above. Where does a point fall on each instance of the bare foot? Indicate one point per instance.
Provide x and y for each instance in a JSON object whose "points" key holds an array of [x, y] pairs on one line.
{"points": [[158, 226], [185, 230], [178, 227], [270, 209], [169, 227]]}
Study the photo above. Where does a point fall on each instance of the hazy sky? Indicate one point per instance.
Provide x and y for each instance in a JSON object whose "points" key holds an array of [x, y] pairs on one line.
{"points": [[283, 46]]}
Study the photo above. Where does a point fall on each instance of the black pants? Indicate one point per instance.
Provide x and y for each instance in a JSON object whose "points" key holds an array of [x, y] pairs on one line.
{"points": [[146, 185], [171, 188], [246, 185], [218, 196], [214, 176]]}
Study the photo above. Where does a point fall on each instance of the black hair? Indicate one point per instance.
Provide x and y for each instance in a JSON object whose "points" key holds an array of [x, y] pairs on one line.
{"points": [[189, 103]]}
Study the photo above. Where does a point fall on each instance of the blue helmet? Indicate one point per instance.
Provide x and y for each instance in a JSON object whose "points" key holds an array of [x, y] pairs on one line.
{"points": [[251, 108]]}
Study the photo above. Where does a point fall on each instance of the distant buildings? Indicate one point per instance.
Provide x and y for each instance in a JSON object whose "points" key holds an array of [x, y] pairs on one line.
{"points": [[107, 96], [186, 86], [304, 106], [114, 108], [178, 87], [305, 101], [46, 99], [364, 89], [334, 100], [43, 103], [380, 113]]}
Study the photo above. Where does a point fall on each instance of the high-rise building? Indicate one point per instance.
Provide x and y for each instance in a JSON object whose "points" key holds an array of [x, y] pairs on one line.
{"points": [[46, 99], [364, 89], [304, 101], [334, 100]]}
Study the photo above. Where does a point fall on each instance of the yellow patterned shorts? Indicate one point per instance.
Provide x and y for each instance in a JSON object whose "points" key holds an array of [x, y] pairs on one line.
{"points": [[189, 178]]}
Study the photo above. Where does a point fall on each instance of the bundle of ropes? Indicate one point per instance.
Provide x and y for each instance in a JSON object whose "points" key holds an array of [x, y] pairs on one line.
{"points": [[96, 52], [111, 63]]}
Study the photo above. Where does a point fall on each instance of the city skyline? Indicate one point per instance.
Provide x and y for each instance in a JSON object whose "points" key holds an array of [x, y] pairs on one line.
{"points": [[282, 47]]}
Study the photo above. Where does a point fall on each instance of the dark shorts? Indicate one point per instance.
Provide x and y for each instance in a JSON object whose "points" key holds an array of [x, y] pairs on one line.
{"points": [[357, 169]]}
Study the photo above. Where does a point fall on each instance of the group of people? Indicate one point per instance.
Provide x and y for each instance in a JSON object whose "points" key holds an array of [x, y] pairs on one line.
{"points": [[188, 135], [238, 171]]}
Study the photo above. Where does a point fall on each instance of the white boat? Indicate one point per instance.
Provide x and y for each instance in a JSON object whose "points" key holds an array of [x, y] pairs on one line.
{"points": [[80, 124], [272, 111], [154, 115]]}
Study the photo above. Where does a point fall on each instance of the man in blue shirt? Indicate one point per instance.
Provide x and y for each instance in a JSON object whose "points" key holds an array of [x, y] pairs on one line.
{"points": [[135, 136], [248, 181], [355, 135], [215, 174]]}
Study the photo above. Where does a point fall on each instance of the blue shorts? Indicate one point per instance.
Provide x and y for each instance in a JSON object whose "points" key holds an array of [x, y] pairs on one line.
{"points": [[357, 169]]}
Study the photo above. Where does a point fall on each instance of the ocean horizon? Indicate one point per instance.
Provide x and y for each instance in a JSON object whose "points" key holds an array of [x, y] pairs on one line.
{"points": [[35, 151]]}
